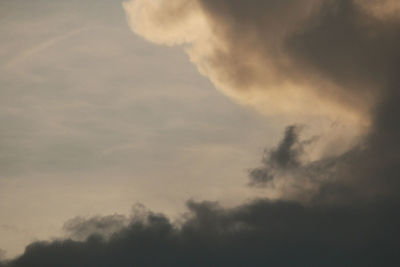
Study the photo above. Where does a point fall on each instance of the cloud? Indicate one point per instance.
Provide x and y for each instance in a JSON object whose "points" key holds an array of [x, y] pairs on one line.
{"points": [[368, 171], [279, 56], [2, 254], [260, 233], [287, 167], [382, 9], [81, 228], [285, 157], [333, 58]]}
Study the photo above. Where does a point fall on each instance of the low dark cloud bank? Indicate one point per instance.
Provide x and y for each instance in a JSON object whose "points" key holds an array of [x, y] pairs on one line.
{"points": [[350, 219], [261, 233]]}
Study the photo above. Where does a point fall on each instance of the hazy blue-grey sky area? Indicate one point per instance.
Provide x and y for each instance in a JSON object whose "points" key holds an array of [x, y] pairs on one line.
{"points": [[94, 119]]}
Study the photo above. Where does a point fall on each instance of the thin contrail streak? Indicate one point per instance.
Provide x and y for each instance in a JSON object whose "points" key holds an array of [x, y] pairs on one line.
{"points": [[27, 53]]}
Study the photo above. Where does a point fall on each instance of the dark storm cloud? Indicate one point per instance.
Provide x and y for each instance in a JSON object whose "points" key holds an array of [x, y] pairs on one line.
{"points": [[351, 219], [261, 233]]}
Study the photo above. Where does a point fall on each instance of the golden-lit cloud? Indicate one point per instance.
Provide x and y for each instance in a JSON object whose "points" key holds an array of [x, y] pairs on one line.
{"points": [[335, 62], [247, 53], [382, 9]]}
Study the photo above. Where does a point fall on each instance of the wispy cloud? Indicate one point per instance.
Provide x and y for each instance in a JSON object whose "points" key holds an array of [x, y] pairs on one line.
{"points": [[40, 47]]}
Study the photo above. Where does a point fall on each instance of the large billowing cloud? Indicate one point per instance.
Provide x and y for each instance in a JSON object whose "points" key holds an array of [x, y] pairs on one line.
{"points": [[339, 209], [294, 56], [337, 58]]}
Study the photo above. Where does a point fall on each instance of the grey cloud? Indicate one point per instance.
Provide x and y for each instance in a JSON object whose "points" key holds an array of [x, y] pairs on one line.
{"points": [[340, 40], [260, 176], [260, 233], [80, 228], [285, 157], [369, 170], [2, 254], [288, 162], [288, 152], [346, 44]]}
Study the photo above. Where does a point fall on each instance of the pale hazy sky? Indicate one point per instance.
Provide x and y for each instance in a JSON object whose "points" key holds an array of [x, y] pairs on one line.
{"points": [[94, 119]]}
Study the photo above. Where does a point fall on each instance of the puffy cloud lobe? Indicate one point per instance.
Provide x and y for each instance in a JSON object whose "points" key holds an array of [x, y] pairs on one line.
{"points": [[382, 9], [220, 53], [81, 228]]}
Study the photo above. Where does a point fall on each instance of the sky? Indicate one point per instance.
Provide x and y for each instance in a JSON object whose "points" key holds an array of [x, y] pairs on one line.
{"points": [[199, 133]]}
